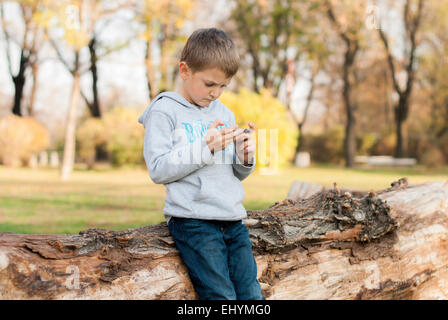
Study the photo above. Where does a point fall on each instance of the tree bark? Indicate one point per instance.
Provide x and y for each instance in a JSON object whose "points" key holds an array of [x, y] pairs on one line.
{"points": [[68, 159], [152, 89], [35, 72], [302, 122], [388, 245], [94, 106], [351, 41], [19, 84], [349, 138]]}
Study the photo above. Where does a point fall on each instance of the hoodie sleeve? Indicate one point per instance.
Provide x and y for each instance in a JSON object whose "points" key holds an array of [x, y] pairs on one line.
{"points": [[166, 163], [239, 169]]}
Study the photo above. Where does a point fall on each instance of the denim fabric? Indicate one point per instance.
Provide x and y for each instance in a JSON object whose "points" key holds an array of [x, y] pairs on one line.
{"points": [[219, 258]]}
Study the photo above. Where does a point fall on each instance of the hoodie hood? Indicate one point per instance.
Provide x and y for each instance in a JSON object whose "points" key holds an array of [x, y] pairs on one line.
{"points": [[178, 98]]}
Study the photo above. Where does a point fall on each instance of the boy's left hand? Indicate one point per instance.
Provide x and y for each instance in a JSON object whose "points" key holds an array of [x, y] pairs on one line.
{"points": [[245, 145]]}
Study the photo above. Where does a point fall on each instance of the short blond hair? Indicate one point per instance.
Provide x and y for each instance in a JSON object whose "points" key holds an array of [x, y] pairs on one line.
{"points": [[211, 48]]}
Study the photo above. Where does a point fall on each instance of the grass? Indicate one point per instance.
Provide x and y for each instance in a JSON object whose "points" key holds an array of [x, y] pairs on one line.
{"points": [[36, 201]]}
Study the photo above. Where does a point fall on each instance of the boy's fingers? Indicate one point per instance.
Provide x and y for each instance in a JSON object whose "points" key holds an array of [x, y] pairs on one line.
{"points": [[229, 138], [228, 133], [242, 137], [237, 134], [230, 130], [239, 131]]}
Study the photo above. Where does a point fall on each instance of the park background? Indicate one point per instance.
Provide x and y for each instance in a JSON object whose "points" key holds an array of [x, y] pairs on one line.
{"points": [[337, 80]]}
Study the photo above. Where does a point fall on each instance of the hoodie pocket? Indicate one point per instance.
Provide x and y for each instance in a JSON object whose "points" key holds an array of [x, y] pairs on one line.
{"points": [[220, 192]]}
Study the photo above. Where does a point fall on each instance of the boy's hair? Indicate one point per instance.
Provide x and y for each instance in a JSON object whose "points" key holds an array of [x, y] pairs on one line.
{"points": [[211, 48]]}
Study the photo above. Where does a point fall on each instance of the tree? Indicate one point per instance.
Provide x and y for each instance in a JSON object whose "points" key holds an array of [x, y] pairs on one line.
{"points": [[70, 20], [317, 56], [161, 20], [433, 67], [97, 17], [412, 16], [271, 32], [29, 43], [328, 246], [309, 99], [349, 32]]}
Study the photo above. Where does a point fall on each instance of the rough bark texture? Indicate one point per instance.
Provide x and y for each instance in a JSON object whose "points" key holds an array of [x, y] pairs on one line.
{"points": [[392, 244]]}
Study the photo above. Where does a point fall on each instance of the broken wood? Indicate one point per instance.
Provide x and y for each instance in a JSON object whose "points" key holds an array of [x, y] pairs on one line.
{"points": [[389, 244]]}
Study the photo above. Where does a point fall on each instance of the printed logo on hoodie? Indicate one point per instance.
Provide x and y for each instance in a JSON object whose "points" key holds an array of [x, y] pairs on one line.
{"points": [[198, 129]]}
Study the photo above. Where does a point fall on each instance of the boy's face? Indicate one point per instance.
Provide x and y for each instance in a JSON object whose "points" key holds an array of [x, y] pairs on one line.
{"points": [[202, 87]]}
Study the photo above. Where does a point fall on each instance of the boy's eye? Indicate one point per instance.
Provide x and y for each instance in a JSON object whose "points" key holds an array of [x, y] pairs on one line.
{"points": [[212, 84]]}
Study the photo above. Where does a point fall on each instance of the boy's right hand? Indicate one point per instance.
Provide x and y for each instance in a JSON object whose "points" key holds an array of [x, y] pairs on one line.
{"points": [[219, 139]]}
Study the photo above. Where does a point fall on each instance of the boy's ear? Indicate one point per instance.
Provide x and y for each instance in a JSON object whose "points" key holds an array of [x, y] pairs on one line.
{"points": [[184, 70]]}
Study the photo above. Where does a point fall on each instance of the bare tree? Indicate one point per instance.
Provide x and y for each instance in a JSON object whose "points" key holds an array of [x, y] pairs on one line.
{"points": [[309, 99], [350, 35], [412, 21], [161, 20], [98, 18], [71, 20], [267, 31], [29, 43]]}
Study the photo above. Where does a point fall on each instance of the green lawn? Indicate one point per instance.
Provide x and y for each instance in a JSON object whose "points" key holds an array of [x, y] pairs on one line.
{"points": [[36, 201]]}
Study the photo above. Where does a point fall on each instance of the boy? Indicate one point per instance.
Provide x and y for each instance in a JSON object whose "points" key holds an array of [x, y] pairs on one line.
{"points": [[194, 148]]}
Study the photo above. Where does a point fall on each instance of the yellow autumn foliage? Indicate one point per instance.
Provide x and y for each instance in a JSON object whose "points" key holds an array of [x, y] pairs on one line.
{"points": [[118, 132], [124, 136], [89, 136], [275, 133], [20, 137]]}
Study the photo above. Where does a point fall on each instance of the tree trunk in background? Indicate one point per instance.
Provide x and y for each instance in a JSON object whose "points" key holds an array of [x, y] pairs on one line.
{"points": [[399, 121], [411, 25], [68, 158], [351, 41], [350, 137], [27, 51], [152, 90], [35, 72], [299, 144], [19, 83], [388, 245], [301, 123], [94, 106], [164, 38]]}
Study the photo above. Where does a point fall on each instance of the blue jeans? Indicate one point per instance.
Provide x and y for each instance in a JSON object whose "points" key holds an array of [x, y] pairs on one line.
{"points": [[219, 258]]}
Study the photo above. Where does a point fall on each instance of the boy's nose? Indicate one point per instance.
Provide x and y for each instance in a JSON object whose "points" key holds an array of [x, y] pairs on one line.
{"points": [[215, 94]]}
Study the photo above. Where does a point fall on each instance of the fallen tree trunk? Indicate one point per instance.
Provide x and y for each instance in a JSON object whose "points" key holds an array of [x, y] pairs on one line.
{"points": [[391, 244]]}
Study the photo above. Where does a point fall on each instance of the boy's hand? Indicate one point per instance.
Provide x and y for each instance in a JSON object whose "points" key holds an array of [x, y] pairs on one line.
{"points": [[219, 139], [245, 144]]}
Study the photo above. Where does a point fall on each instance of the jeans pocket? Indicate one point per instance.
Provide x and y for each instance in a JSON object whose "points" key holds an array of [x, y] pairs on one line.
{"points": [[171, 226]]}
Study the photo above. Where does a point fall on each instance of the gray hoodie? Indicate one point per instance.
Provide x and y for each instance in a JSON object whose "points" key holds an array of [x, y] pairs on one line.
{"points": [[199, 184]]}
